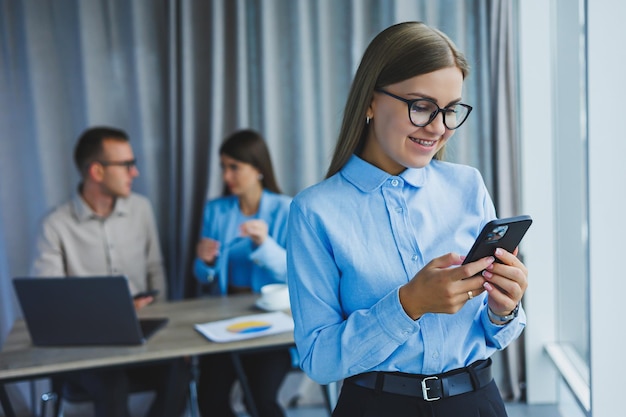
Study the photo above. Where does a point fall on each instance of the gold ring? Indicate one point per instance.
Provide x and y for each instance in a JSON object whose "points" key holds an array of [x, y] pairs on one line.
{"points": [[470, 295]]}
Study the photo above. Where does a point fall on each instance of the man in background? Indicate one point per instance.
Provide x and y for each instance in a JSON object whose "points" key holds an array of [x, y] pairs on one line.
{"points": [[106, 229]]}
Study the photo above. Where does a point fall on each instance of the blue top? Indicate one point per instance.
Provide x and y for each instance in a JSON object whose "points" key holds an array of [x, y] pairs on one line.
{"points": [[239, 265], [221, 221], [358, 236]]}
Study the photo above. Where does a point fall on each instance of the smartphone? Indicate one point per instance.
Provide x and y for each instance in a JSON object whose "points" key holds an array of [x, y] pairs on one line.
{"points": [[504, 233], [149, 293]]}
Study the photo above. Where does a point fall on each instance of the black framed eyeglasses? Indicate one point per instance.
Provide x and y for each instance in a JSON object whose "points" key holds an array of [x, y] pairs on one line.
{"points": [[130, 164], [422, 111]]}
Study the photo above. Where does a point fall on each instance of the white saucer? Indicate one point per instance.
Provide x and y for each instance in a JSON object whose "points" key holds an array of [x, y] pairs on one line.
{"points": [[271, 307]]}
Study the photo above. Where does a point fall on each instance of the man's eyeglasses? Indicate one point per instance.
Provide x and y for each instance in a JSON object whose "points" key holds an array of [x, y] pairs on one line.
{"points": [[422, 111], [130, 164]]}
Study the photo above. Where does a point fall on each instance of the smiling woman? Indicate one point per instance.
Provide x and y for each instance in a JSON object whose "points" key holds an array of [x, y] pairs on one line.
{"points": [[389, 289]]}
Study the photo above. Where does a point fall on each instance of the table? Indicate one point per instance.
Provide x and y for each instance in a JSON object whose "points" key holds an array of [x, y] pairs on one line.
{"points": [[20, 360]]}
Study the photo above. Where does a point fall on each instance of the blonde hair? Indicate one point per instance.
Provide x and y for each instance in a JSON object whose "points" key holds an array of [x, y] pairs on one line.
{"points": [[400, 52]]}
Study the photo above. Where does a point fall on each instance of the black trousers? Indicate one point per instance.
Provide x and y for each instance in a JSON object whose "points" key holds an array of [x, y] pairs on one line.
{"points": [[355, 401], [109, 388], [265, 372]]}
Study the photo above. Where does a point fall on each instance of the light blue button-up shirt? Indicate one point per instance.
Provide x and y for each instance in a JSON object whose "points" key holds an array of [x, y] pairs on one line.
{"points": [[221, 221], [354, 240]]}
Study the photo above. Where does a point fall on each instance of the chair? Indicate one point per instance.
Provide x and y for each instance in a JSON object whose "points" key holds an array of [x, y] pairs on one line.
{"points": [[330, 391], [64, 390], [331, 395]]}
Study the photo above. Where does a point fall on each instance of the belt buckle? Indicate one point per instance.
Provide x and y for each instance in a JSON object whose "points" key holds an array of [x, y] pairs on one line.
{"points": [[425, 389]]}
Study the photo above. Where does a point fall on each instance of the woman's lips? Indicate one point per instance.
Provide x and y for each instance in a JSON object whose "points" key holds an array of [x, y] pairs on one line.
{"points": [[423, 142]]}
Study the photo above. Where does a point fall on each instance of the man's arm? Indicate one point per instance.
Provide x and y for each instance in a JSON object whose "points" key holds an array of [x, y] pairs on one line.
{"points": [[49, 256], [156, 278]]}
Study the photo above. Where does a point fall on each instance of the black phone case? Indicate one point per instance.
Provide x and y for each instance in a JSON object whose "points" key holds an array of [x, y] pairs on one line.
{"points": [[489, 239]]}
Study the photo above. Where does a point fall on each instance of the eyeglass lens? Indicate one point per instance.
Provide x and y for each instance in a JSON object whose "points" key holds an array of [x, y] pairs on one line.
{"points": [[422, 112], [127, 164]]}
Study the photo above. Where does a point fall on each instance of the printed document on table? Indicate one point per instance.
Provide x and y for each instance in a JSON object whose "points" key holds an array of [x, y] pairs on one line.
{"points": [[246, 327]]}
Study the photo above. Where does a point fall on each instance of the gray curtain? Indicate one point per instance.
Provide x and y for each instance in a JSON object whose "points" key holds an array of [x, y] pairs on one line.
{"points": [[179, 75], [506, 175]]}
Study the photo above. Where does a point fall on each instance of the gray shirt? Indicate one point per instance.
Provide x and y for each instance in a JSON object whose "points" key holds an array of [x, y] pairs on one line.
{"points": [[74, 241]]}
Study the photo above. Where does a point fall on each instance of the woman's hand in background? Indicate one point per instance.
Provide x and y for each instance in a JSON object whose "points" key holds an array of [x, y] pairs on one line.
{"points": [[208, 250], [256, 230]]}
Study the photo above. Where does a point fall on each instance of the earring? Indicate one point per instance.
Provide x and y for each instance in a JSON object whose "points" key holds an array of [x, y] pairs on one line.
{"points": [[367, 120]]}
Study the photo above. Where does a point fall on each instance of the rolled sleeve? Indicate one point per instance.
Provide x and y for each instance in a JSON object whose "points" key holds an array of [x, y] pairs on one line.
{"points": [[271, 256]]}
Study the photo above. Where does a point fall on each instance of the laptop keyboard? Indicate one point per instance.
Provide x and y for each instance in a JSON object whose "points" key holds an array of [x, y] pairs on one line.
{"points": [[150, 326]]}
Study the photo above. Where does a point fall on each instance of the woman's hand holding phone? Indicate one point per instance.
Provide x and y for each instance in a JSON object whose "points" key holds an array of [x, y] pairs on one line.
{"points": [[506, 279], [505, 282], [441, 288], [443, 285]]}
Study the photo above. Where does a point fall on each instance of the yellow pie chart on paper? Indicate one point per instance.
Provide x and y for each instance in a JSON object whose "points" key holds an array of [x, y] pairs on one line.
{"points": [[251, 326]]}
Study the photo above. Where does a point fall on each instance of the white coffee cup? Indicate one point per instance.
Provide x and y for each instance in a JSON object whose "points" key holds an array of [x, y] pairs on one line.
{"points": [[275, 296]]}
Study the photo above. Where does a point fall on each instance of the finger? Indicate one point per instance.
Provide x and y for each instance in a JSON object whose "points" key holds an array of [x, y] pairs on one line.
{"points": [[503, 275], [509, 287], [471, 293], [247, 229], [511, 280], [207, 243], [142, 302], [499, 302], [474, 283], [508, 258], [473, 268], [446, 261]]}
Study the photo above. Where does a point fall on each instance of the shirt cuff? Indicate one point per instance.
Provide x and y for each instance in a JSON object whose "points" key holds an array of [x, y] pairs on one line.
{"points": [[393, 319]]}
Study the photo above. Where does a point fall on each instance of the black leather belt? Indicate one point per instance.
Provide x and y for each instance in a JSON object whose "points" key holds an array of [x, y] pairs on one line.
{"points": [[428, 387]]}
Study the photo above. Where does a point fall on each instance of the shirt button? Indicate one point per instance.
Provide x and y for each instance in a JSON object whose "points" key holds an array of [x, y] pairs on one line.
{"points": [[394, 182], [414, 258], [435, 355], [398, 209]]}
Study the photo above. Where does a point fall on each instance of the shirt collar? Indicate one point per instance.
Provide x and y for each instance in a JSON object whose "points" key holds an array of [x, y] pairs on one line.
{"points": [[367, 177], [84, 212]]}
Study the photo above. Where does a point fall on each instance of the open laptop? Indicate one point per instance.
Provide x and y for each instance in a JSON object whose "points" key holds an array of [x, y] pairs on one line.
{"points": [[76, 311]]}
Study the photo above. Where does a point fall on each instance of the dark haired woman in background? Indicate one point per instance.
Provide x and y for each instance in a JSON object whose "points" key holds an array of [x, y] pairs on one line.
{"points": [[242, 248]]}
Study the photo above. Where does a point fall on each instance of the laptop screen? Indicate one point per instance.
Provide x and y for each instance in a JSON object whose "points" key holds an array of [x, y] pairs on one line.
{"points": [[74, 311]]}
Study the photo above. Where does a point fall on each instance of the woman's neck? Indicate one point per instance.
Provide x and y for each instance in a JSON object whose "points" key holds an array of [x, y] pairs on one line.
{"points": [[250, 201]]}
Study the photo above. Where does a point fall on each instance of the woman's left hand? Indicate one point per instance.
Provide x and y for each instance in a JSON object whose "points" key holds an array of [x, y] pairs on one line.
{"points": [[256, 230], [505, 282]]}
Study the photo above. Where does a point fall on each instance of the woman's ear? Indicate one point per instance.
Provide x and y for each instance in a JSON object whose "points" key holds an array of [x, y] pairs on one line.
{"points": [[369, 113]]}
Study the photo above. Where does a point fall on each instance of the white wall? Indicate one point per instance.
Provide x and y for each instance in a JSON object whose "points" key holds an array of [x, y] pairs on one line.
{"points": [[606, 61], [538, 195], [607, 203]]}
